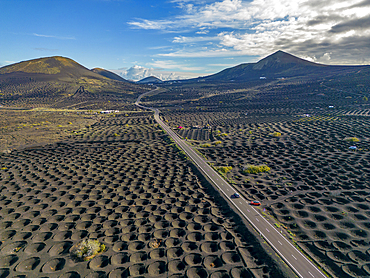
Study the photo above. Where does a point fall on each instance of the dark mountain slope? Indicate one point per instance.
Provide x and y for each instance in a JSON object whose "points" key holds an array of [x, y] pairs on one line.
{"points": [[51, 68], [150, 79], [279, 65], [57, 80], [109, 74]]}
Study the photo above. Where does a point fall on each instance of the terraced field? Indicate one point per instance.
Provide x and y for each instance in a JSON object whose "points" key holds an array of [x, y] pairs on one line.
{"points": [[317, 189], [121, 183]]}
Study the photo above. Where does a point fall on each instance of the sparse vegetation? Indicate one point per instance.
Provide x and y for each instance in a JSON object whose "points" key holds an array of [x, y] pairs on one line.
{"points": [[352, 139], [87, 249], [248, 127], [224, 169], [255, 169], [205, 145], [155, 243], [276, 134]]}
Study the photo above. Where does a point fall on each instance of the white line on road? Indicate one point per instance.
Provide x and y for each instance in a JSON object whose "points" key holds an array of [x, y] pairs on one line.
{"points": [[267, 230], [240, 202], [294, 257], [280, 243], [189, 151], [311, 274]]}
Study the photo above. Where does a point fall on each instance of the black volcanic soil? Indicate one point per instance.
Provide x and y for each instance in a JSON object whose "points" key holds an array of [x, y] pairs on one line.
{"points": [[317, 188], [122, 184], [317, 191]]}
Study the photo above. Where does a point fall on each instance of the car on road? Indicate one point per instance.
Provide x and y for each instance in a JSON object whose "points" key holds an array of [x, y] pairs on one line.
{"points": [[235, 195], [255, 203]]}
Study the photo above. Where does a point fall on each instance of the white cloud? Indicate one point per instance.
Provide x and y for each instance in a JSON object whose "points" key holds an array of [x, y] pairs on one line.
{"points": [[199, 53], [221, 65], [137, 73], [309, 28], [182, 39], [55, 37], [169, 64], [202, 32]]}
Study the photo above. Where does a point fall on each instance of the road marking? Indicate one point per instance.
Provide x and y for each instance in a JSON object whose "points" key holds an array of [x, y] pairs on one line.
{"points": [[311, 274], [294, 257], [248, 210], [240, 202], [257, 219], [280, 243], [228, 190], [267, 230], [205, 172]]}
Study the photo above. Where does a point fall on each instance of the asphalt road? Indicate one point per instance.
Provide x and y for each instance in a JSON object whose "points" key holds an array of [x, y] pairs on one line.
{"points": [[294, 258]]}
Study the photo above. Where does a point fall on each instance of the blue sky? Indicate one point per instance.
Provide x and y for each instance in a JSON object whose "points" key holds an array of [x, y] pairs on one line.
{"points": [[195, 36]]}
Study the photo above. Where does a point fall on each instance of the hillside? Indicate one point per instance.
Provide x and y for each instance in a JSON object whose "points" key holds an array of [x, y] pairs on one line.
{"points": [[279, 65], [59, 82], [108, 74], [150, 79], [55, 67]]}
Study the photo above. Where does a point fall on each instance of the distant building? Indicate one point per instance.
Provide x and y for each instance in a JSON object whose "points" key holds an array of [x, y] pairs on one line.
{"points": [[109, 111]]}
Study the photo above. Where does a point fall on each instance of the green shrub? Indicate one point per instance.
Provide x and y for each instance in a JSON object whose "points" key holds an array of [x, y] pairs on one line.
{"points": [[253, 169], [87, 249], [276, 134], [224, 169], [217, 142], [205, 145], [352, 139]]}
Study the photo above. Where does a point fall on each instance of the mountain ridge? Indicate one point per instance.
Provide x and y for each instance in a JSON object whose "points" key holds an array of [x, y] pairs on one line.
{"points": [[277, 65]]}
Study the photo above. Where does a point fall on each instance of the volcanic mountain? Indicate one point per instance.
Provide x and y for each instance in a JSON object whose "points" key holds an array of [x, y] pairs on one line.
{"points": [[49, 68], [279, 65], [53, 79]]}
